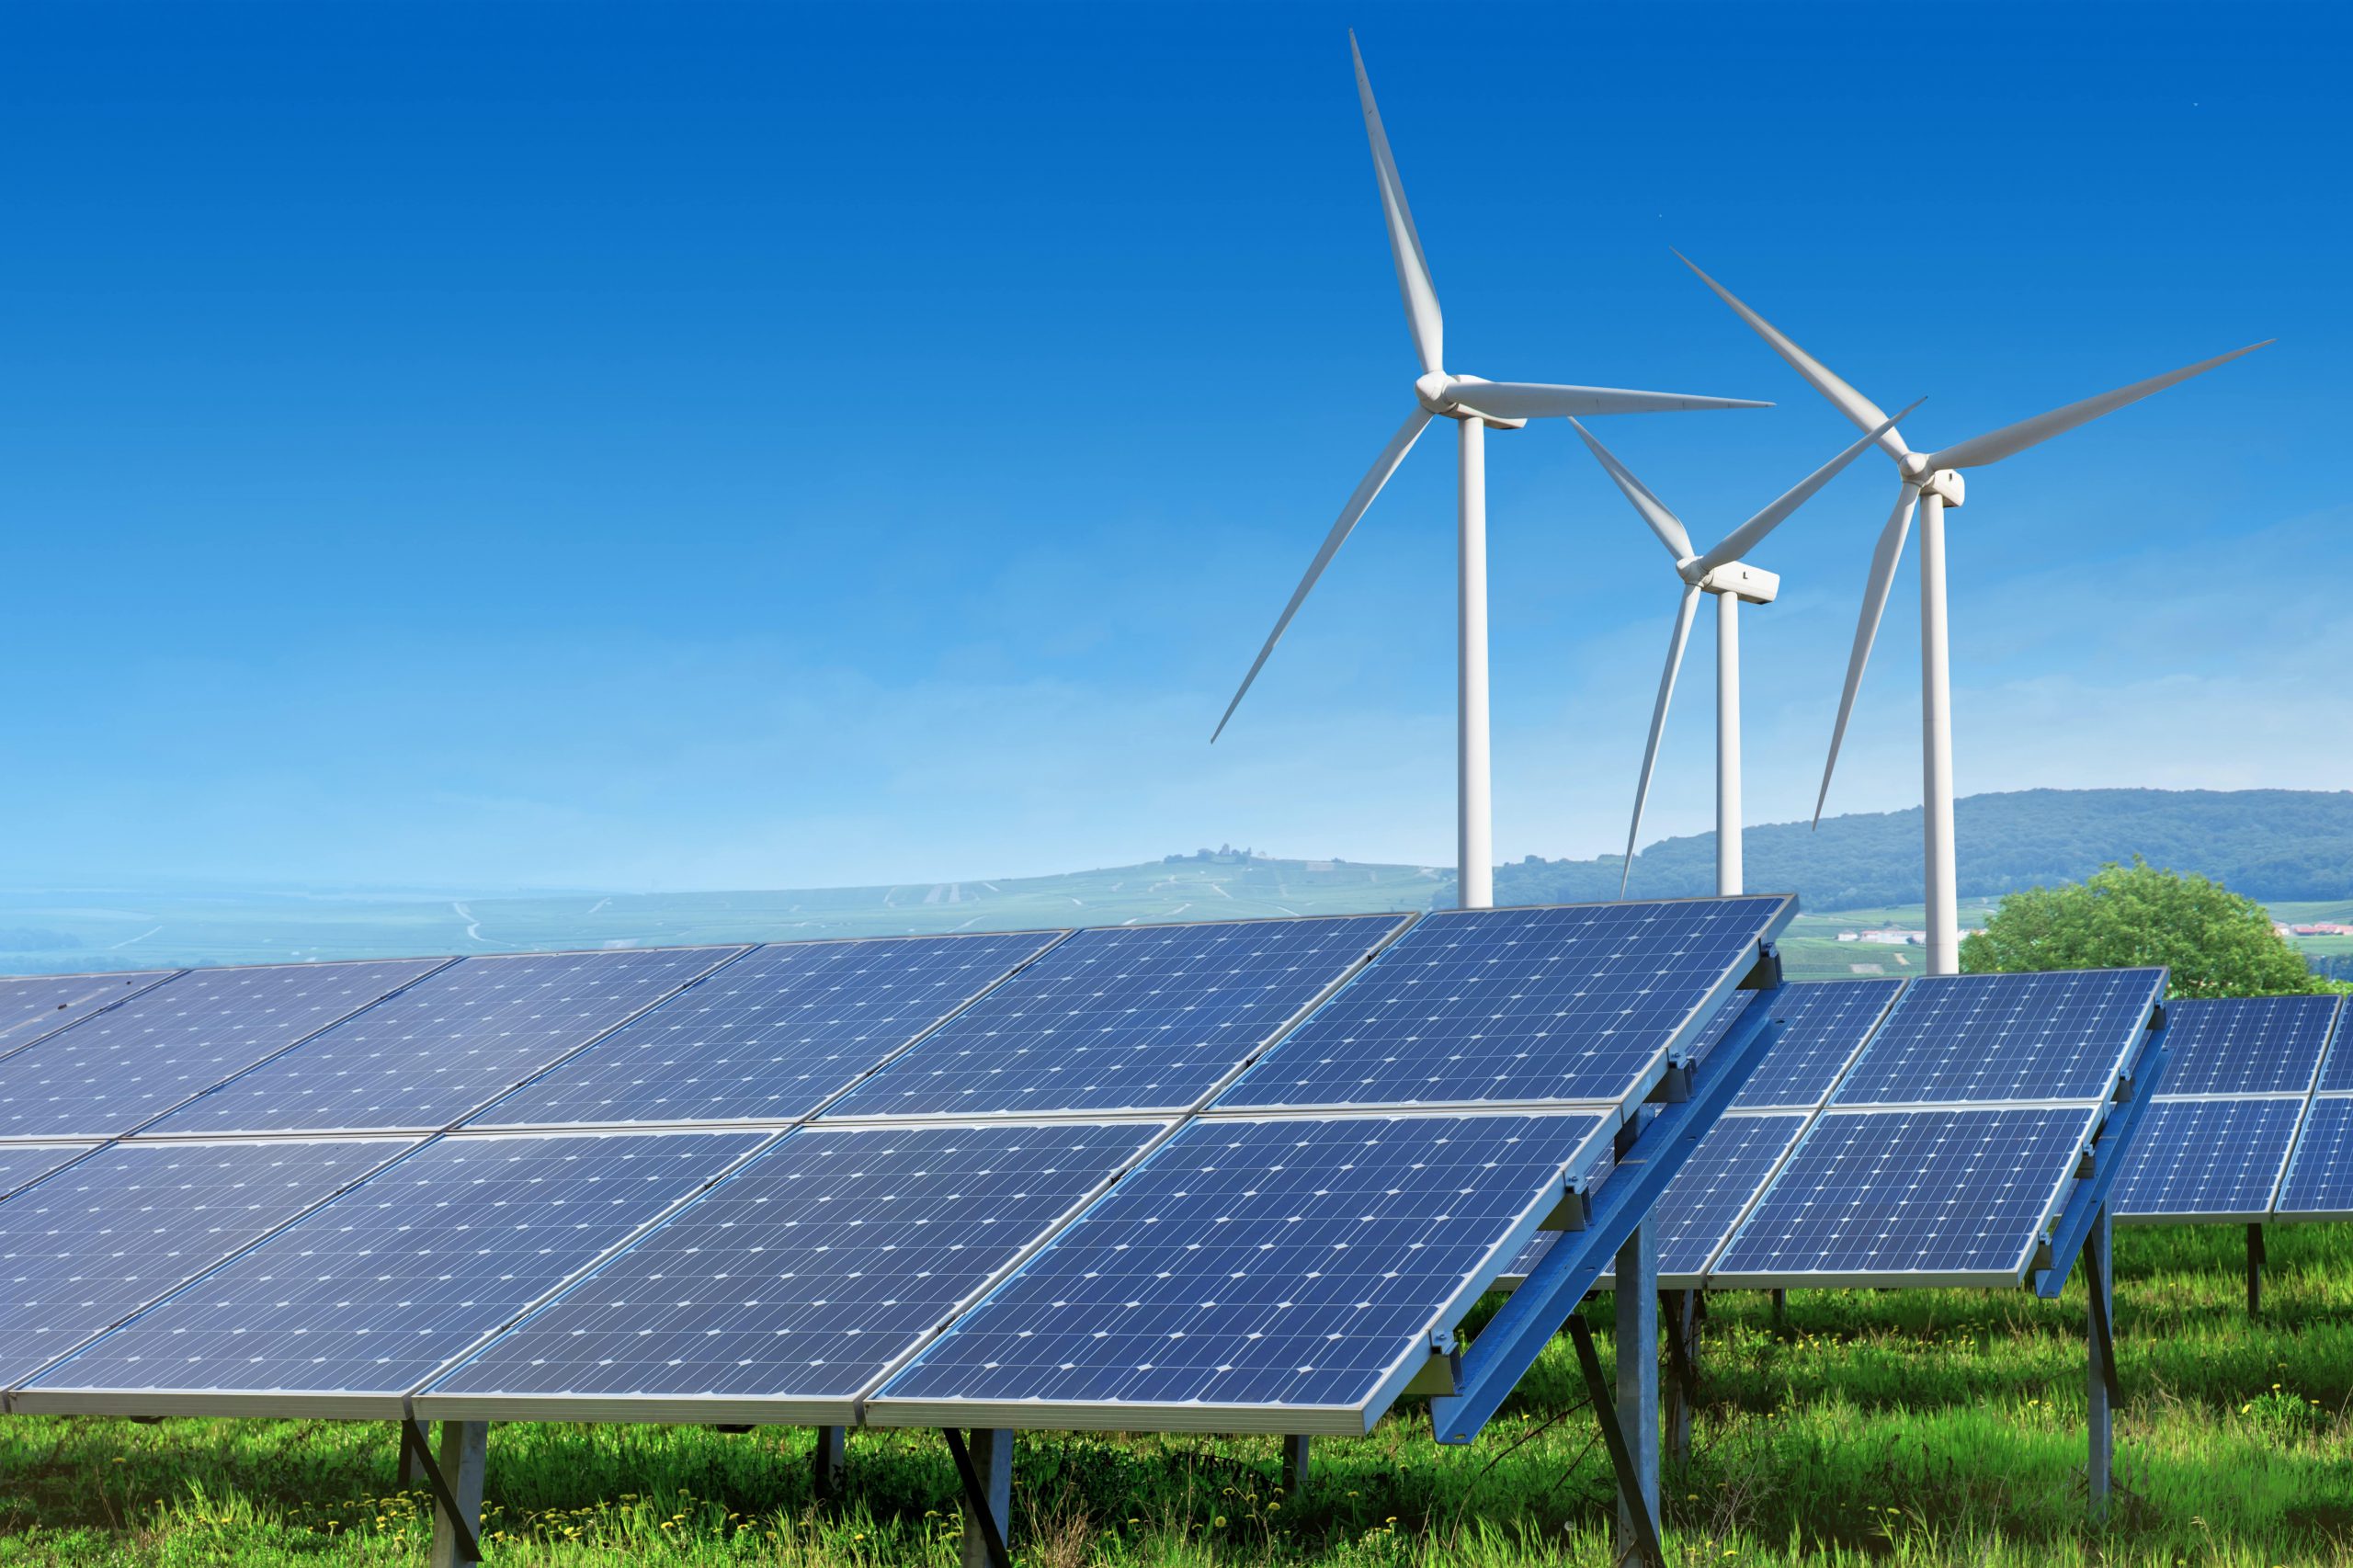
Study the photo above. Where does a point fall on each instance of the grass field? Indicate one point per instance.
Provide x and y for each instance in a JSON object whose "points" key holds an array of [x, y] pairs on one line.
{"points": [[1935, 1427]]}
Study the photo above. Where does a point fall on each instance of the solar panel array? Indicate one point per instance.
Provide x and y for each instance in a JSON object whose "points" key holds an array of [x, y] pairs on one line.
{"points": [[37, 1004], [728, 1184]]}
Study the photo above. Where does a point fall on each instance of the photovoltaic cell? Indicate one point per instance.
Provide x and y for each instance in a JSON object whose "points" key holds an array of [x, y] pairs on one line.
{"points": [[804, 1277], [772, 1036], [1299, 1263], [2206, 1159], [1518, 1006], [121, 1068], [21, 1164], [2320, 1176], [1123, 1018], [2245, 1045], [1824, 1023], [2063, 1035], [446, 1045], [34, 1004], [1950, 1195], [85, 1249], [369, 1295]]}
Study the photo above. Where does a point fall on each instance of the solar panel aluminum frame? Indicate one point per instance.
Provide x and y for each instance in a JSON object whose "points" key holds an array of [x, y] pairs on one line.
{"points": [[1673, 1055], [754, 1124], [2301, 1099], [1121, 1415], [160, 976], [400, 1145], [1401, 921], [735, 1410], [332, 1404]]}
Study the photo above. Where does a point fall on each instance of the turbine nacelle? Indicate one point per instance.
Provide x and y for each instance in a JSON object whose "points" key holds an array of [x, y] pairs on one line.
{"points": [[1947, 486], [1436, 393], [1751, 584]]}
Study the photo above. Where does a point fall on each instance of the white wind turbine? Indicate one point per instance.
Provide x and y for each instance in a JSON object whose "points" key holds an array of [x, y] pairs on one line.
{"points": [[1723, 572], [1930, 482], [1474, 404]]}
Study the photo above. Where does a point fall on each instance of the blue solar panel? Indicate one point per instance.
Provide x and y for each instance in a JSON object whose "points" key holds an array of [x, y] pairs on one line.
{"points": [[772, 1036], [1952, 1195], [1518, 1006], [2320, 1175], [2206, 1159], [2245, 1045], [36, 1004], [1823, 1025], [1706, 1199], [118, 1069], [85, 1249], [21, 1164], [372, 1293], [1125, 1019], [807, 1275], [446, 1046], [2337, 1061], [1299, 1263], [2058, 1036]]}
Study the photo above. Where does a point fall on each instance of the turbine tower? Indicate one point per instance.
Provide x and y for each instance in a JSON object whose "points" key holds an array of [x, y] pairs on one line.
{"points": [[1475, 405], [1931, 482], [1723, 572]]}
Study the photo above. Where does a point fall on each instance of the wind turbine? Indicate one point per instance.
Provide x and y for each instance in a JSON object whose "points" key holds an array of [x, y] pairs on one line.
{"points": [[1723, 572], [1475, 405], [1931, 482]]}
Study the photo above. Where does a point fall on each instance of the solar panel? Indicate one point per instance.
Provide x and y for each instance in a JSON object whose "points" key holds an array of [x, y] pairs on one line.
{"points": [[1824, 1023], [117, 1070], [773, 1035], [2320, 1175], [1283, 1274], [1924, 1197], [448, 1045], [1500, 1006], [1134, 1018], [2337, 1062], [1952, 1038], [789, 1288], [2245, 1045], [21, 1164], [345, 1310], [1705, 1200], [2210, 1160], [34, 1004], [85, 1249]]}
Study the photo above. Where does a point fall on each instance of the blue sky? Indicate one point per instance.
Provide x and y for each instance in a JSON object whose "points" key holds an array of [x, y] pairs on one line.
{"points": [[682, 446]]}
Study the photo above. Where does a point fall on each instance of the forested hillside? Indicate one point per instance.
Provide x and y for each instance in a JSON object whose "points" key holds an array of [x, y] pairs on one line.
{"points": [[2277, 846]]}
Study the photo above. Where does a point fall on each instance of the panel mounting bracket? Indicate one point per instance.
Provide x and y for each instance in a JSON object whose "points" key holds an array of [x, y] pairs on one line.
{"points": [[2106, 1158]]}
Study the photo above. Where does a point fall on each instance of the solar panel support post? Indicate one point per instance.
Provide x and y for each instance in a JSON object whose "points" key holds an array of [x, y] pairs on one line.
{"points": [[1646, 1548], [1780, 1305], [1295, 1445], [829, 1463], [985, 1468], [1548, 1298], [2254, 1261], [1636, 1299], [2101, 1351], [456, 1479], [1682, 1395]]}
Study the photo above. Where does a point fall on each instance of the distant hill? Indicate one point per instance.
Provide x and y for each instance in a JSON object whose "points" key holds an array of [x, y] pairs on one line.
{"points": [[2276, 846]]}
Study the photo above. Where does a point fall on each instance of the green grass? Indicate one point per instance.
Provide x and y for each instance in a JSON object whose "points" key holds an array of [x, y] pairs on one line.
{"points": [[1933, 1427]]}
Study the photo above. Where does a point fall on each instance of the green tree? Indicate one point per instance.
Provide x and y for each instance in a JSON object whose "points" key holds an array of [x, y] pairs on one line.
{"points": [[2216, 943]]}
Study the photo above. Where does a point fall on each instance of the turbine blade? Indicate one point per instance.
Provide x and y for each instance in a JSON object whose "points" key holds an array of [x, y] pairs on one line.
{"points": [[1659, 722], [1850, 402], [2012, 439], [1541, 400], [1884, 560], [1414, 282], [1366, 488], [1664, 523], [1746, 537]]}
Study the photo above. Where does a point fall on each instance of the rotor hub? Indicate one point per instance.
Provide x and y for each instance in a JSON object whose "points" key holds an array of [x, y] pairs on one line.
{"points": [[1437, 393]]}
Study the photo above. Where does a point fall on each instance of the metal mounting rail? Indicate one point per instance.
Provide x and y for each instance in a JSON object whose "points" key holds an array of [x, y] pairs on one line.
{"points": [[1548, 1298], [2105, 1158]]}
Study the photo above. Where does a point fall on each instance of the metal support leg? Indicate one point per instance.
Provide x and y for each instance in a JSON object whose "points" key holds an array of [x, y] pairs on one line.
{"points": [[1295, 1463], [2101, 1353], [1637, 1302], [2254, 1261], [1781, 1307], [829, 1466], [1645, 1549], [457, 1479], [1681, 1311], [986, 1470]]}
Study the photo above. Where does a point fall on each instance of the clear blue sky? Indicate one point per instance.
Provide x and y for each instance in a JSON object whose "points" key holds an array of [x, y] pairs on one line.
{"points": [[685, 446]]}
